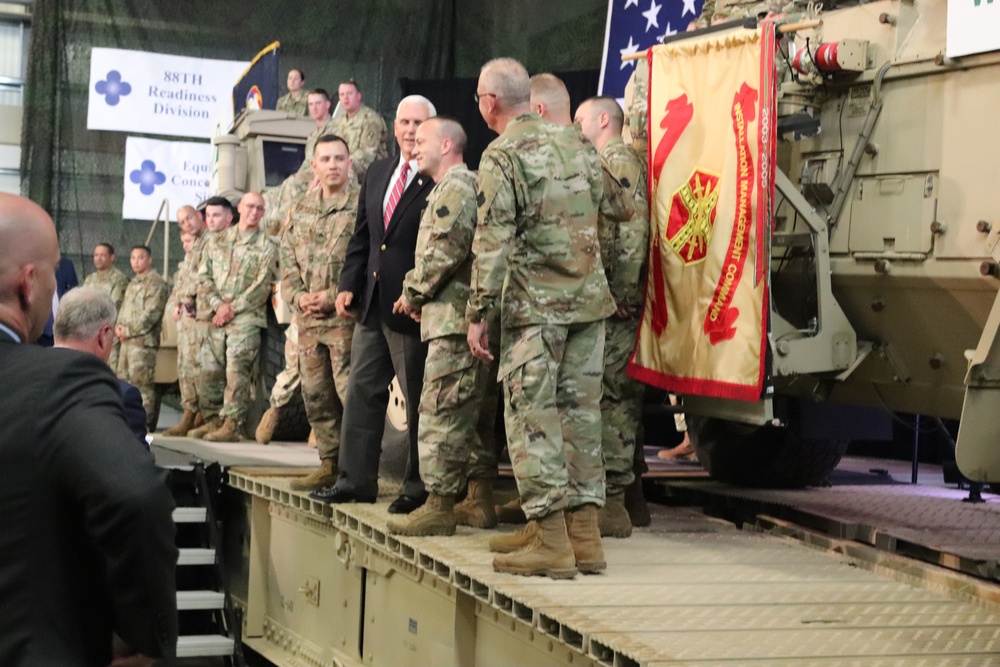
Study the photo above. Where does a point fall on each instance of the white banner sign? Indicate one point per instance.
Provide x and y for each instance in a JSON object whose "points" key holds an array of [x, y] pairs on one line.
{"points": [[973, 27], [158, 170], [153, 93]]}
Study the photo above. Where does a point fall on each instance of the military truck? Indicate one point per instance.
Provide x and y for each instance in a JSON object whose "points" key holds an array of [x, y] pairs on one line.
{"points": [[884, 273]]}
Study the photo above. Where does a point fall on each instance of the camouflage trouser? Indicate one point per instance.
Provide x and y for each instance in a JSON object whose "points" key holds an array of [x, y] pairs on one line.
{"points": [[137, 365], [287, 382], [483, 459], [324, 361], [551, 377], [228, 359], [621, 404], [187, 362], [454, 385]]}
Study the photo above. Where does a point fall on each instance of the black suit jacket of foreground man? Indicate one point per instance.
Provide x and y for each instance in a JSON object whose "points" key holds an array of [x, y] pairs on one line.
{"points": [[86, 535]]}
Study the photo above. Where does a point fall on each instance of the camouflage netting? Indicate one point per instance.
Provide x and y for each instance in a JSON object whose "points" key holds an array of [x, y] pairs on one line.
{"points": [[76, 173]]}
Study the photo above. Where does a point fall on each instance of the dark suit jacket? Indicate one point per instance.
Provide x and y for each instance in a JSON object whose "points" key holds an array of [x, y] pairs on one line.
{"points": [[135, 414], [65, 281], [380, 257], [86, 534]]}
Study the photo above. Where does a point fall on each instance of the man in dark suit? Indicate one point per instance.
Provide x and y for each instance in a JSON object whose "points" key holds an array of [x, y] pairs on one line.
{"points": [[379, 255], [65, 281], [86, 323], [87, 553]]}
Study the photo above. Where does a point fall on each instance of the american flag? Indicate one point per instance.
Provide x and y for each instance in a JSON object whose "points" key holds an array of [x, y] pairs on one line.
{"points": [[634, 26]]}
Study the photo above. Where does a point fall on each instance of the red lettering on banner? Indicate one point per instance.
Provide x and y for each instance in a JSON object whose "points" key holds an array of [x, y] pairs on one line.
{"points": [[678, 116], [659, 316], [721, 317]]}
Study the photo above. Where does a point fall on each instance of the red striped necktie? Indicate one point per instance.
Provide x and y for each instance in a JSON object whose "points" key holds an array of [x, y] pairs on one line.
{"points": [[397, 192]]}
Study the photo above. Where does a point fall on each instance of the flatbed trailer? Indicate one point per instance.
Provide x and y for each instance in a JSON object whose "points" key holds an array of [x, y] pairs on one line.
{"points": [[323, 585]]}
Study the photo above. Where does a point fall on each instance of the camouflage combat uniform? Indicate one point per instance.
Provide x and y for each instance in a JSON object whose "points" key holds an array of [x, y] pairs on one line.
{"points": [[454, 380], [299, 106], [237, 268], [141, 317], [313, 249], [621, 400], [114, 283], [278, 201], [537, 254], [366, 135], [185, 285]]}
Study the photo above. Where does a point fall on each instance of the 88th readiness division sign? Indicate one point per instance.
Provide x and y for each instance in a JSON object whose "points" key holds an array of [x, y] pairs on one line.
{"points": [[154, 93]]}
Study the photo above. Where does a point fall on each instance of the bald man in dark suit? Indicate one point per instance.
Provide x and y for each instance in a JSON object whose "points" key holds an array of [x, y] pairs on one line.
{"points": [[87, 554]]}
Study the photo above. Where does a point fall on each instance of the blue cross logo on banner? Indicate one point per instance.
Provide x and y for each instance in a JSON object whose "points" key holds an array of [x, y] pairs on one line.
{"points": [[634, 26]]}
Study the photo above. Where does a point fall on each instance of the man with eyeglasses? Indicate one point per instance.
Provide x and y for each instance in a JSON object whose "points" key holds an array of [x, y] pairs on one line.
{"points": [[538, 271], [234, 283]]}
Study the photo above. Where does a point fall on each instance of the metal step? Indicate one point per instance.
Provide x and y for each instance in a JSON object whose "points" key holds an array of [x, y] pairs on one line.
{"points": [[196, 557], [200, 600], [190, 515], [193, 646]]}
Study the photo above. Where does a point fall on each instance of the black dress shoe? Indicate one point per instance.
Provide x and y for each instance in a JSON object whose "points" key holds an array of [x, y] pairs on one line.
{"points": [[332, 494], [406, 504]]}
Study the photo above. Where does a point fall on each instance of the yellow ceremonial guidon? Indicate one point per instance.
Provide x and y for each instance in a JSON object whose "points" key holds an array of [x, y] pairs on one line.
{"points": [[711, 183]]}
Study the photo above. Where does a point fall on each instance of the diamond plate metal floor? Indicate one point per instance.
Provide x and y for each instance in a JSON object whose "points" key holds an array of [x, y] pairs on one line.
{"points": [[927, 521], [692, 590]]}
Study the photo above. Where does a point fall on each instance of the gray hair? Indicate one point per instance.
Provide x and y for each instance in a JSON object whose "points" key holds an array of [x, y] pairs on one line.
{"points": [[83, 311], [509, 81], [416, 99]]}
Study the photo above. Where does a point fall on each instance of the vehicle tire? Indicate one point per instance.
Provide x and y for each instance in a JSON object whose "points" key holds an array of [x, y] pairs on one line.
{"points": [[293, 425], [762, 456]]}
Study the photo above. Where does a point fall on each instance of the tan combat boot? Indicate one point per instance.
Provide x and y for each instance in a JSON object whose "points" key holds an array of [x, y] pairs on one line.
{"points": [[268, 422], [183, 426], [505, 544], [228, 432], [550, 553], [320, 478], [477, 509], [586, 539], [434, 517], [511, 512], [311, 440], [199, 421], [613, 518], [207, 427]]}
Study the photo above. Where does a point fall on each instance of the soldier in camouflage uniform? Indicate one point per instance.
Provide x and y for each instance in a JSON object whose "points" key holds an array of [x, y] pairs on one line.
{"points": [[182, 311], [601, 119], [312, 254], [234, 281], [138, 329], [112, 281], [435, 293], [294, 101], [362, 128], [538, 269], [550, 99], [278, 201]]}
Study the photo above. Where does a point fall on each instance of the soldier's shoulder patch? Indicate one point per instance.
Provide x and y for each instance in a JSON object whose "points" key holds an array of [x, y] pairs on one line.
{"points": [[625, 182], [480, 198], [442, 212]]}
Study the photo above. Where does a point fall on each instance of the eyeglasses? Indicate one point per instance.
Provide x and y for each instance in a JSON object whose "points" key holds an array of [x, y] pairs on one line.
{"points": [[478, 96]]}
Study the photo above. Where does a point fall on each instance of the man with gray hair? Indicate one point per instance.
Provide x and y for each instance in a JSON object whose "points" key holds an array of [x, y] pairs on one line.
{"points": [[538, 271], [384, 343], [86, 323]]}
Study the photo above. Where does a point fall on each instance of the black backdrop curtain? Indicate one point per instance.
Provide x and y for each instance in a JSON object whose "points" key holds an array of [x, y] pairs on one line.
{"points": [[454, 97], [76, 174]]}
